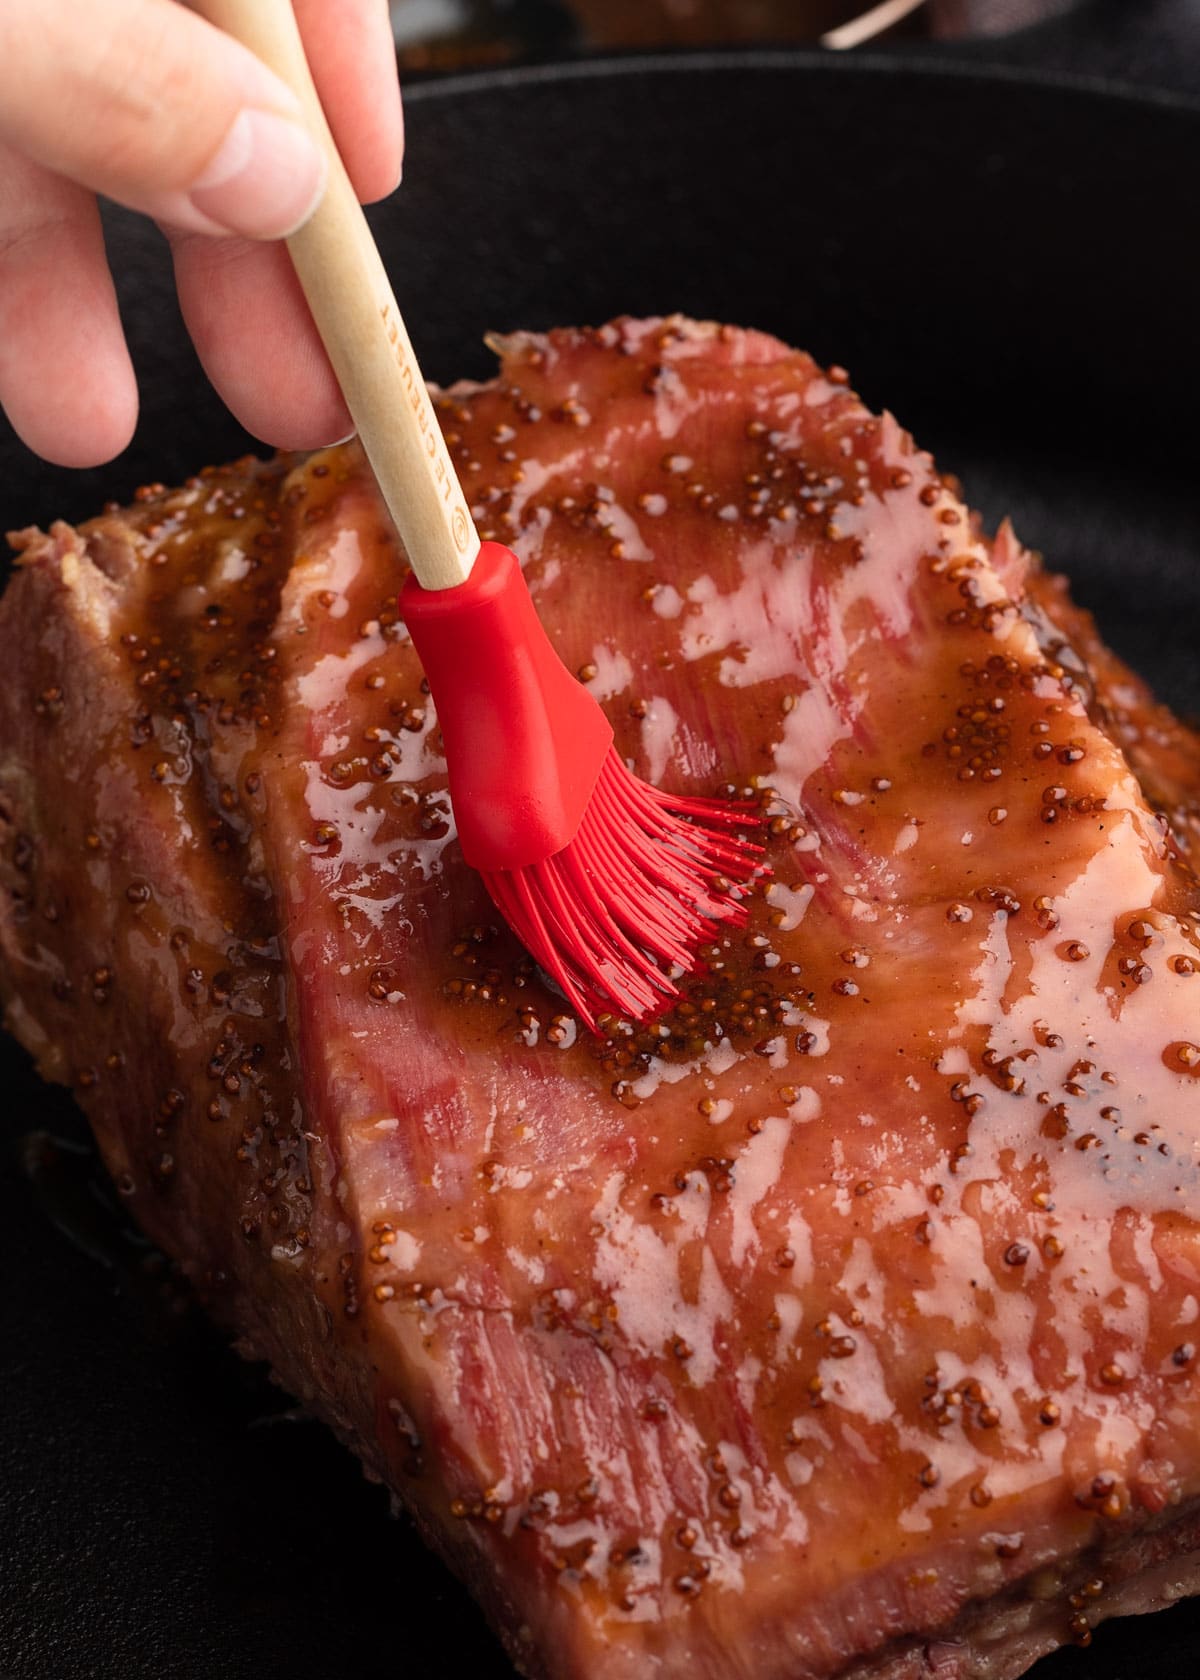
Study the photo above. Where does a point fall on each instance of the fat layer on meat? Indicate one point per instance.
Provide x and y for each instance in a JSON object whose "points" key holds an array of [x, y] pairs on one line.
{"points": [[842, 1322]]}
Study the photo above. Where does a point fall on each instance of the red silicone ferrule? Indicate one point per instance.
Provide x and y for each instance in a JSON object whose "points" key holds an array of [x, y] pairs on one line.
{"points": [[524, 740]]}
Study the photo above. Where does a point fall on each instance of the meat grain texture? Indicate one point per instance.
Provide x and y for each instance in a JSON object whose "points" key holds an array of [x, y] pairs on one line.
{"points": [[842, 1323]]}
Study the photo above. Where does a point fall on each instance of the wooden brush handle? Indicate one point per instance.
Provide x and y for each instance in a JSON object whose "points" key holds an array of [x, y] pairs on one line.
{"points": [[351, 300]]}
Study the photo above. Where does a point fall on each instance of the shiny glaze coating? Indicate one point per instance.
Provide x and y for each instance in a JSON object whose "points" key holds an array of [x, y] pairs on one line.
{"points": [[783, 1336]]}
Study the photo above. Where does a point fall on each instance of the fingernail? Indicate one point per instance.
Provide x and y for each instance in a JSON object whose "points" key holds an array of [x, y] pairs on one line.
{"points": [[265, 178]]}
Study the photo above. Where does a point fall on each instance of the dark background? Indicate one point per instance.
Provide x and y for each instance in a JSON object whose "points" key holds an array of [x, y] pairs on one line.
{"points": [[1011, 266]]}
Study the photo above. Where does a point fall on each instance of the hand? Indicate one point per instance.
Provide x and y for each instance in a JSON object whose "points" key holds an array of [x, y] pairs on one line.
{"points": [[145, 102]]}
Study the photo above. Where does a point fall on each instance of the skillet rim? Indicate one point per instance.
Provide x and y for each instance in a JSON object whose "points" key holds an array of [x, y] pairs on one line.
{"points": [[916, 65]]}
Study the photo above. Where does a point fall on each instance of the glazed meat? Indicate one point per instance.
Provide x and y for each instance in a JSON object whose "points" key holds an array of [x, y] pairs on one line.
{"points": [[844, 1321]]}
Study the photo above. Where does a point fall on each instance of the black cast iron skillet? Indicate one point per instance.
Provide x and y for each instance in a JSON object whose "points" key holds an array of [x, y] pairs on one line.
{"points": [[1011, 266]]}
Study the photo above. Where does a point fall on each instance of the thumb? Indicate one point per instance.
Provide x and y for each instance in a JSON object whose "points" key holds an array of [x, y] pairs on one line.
{"points": [[145, 102]]}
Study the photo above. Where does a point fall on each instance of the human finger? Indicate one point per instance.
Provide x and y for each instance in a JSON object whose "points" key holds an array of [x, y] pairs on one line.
{"points": [[255, 337], [66, 381], [243, 306], [352, 54], [151, 105]]}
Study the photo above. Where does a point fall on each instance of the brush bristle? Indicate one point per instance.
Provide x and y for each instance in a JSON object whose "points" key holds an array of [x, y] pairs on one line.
{"points": [[632, 896]]}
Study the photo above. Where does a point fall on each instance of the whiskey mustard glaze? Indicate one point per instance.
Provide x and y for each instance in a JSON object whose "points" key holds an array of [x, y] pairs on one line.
{"points": [[862, 1285]]}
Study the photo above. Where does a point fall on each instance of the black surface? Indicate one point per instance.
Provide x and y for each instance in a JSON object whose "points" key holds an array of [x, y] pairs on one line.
{"points": [[1011, 267], [1150, 44]]}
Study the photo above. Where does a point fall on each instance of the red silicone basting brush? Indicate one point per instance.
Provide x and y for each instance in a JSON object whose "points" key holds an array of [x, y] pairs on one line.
{"points": [[599, 874], [609, 883]]}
